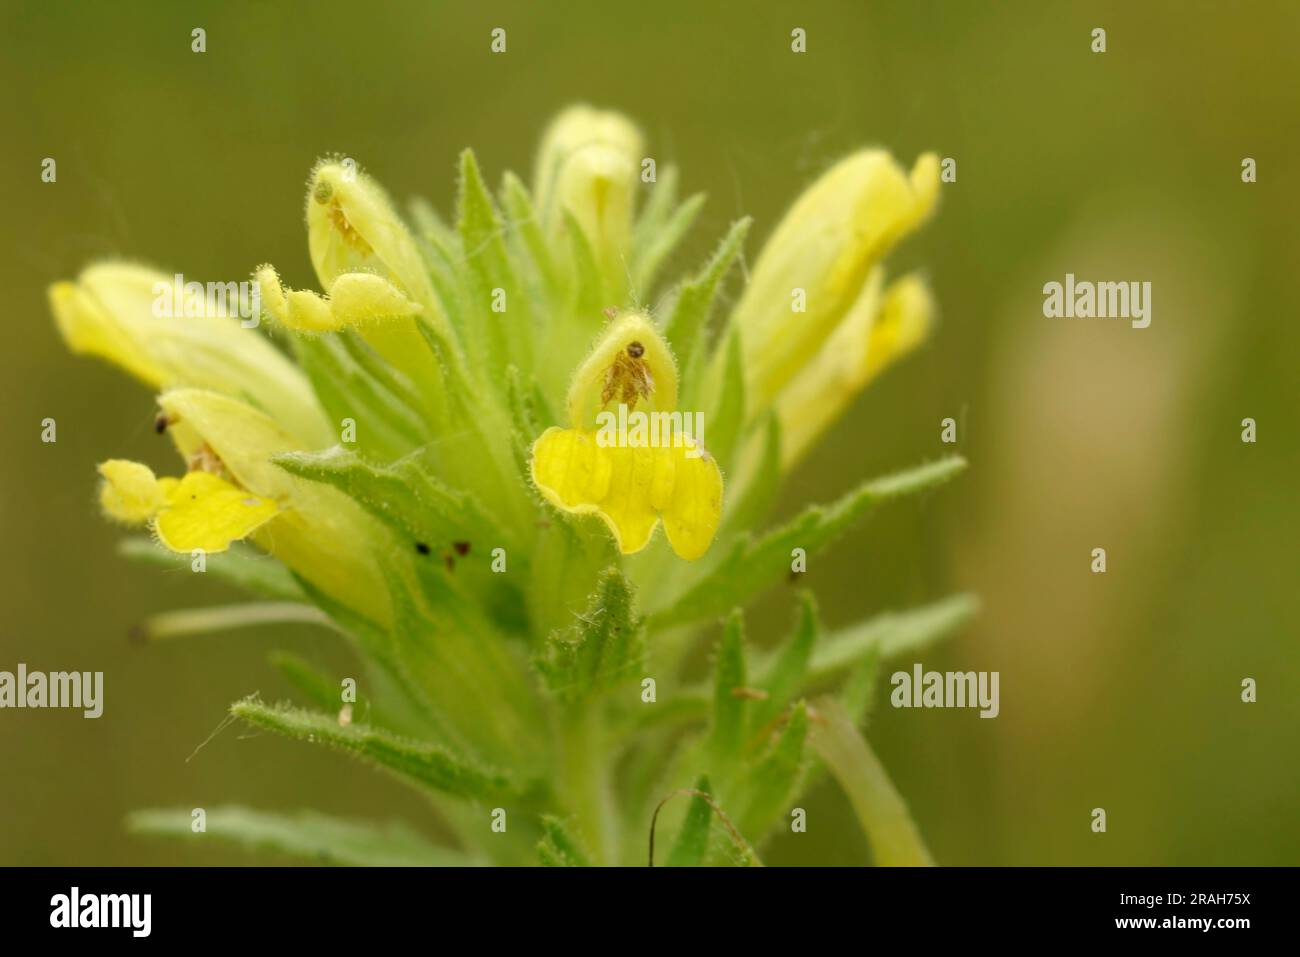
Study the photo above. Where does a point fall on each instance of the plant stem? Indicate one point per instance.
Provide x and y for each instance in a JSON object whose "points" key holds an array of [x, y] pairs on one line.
{"points": [[194, 621], [585, 782], [895, 840]]}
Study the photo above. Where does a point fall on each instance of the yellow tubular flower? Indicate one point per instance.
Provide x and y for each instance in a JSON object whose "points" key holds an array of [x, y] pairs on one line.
{"points": [[112, 312], [352, 229], [631, 487], [588, 163], [827, 246], [313, 519], [878, 330]]}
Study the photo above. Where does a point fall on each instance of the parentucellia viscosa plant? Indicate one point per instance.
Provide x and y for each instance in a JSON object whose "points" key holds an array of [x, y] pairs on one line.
{"points": [[462, 467]]}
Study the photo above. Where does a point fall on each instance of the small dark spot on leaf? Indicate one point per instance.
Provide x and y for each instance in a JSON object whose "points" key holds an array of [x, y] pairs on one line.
{"points": [[160, 423], [462, 548], [422, 548]]}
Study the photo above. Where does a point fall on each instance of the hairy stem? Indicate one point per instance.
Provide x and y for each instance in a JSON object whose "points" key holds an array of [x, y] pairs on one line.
{"points": [[585, 781]]}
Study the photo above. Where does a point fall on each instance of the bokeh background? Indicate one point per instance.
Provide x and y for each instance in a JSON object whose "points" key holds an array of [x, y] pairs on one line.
{"points": [[1119, 691]]}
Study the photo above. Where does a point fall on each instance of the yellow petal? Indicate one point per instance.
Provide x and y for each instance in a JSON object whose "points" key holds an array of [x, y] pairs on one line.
{"points": [[828, 244], [205, 511], [354, 299], [88, 329], [135, 318], [617, 350], [632, 488], [902, 325], [879, 329], [130, 493]]}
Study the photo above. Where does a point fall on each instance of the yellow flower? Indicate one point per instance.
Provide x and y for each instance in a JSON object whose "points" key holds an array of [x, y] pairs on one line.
{"points": [[876, 331], [110, 312], [352, 227], [352, 230], [588, 164], [200, 511], [318, 531], [631, 487], [821, 257]]}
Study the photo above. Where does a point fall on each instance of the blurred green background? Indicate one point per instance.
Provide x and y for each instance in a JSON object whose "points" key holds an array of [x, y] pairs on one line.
{"points": [[1118, 691]]}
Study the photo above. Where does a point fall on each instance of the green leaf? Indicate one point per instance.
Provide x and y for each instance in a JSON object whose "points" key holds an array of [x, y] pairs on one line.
{"points": [[440, 247], [658, 207], [558, 848], [783, 679], [881, 810], [774, 778], [742, 851], [693, 304], [754, 564], [892, 633], [392, 382], [306, 834], [693, 839], [590, 293], [403, 496], [687, 706], [604, 646], [859, 689], [449, 652], [347, 390], [523, 220], [240, 565], [429, 223], [755, 478], [724, 404], [726, 738], [530, 414], [498, 337], [319, 688], [649, 256], [482, 237], [421, 764]]}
